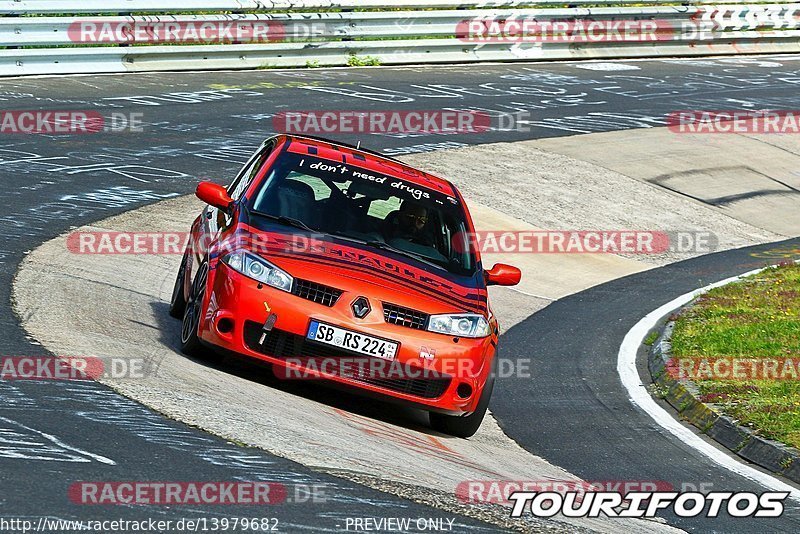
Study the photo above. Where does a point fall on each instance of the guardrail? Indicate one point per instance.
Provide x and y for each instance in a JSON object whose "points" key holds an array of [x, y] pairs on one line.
{"points": [[145, 35]]}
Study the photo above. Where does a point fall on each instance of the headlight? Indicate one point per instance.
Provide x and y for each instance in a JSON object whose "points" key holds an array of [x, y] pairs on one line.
{"points": [[461, 325], [259, 269]]}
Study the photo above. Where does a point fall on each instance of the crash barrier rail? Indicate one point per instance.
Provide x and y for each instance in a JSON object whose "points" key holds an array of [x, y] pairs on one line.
{"points": [[94, 36]]}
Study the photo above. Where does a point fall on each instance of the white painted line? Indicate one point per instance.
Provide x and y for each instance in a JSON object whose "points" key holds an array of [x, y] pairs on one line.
{"points": [[541, 297], [56, 441], [626, 367], [607, 66]]}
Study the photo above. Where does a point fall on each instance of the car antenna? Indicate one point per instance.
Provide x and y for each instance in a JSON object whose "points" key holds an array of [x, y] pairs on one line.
{"points": [[358, 146]]}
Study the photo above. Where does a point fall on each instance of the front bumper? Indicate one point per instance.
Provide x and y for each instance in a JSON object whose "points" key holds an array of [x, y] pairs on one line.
{"points": [[450, 382]]}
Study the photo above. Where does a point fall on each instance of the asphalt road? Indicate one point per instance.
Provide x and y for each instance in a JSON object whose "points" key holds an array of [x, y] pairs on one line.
{"points": [[203, 125], [54, 435]]}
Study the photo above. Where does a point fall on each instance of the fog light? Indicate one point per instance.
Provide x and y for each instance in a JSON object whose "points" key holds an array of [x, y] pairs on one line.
{"points": [[225, 326], [464, 390]]}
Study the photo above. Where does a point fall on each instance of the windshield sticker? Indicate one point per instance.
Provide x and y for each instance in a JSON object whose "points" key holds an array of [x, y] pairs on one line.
{"points": [[343, 171]]}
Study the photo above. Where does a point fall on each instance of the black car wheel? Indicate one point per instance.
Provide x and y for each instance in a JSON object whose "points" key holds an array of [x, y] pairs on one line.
{"points": [[190, 343], [177, 304]]}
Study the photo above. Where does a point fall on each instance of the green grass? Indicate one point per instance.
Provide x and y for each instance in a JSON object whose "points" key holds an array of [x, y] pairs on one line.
{"points": [[758, 317], [365, 61], [651, 338]]}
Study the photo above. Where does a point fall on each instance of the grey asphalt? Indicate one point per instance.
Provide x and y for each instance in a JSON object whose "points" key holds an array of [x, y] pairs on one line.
{"points": [[203, 126]]}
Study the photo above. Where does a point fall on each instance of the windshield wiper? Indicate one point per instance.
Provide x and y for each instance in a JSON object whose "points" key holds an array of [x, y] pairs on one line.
{"points": [[347, 237], [382, 245], [386, 246], [288, 221]]}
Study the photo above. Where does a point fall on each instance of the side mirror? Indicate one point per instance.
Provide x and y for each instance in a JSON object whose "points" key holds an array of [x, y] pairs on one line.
{"points": [[503, 275], [214, 194]]}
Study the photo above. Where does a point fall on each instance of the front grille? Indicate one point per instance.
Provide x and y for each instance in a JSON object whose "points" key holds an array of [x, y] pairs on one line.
{"points": [[394, 314], [281, 344], [325, 295]]}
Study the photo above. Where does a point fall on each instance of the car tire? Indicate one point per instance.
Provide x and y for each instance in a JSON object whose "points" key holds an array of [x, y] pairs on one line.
{"points": [[177, 304], [464, 426], [190, 342]]}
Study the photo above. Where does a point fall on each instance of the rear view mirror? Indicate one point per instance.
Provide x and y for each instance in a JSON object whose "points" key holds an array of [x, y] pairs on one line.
{"points": [[503, 275]]}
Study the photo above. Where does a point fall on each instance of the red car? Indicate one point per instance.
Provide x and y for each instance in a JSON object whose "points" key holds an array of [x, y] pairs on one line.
{"points": [[336, 263]]}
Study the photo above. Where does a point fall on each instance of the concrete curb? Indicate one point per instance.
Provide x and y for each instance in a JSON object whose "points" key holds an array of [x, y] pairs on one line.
{"points": [[683, 395]]}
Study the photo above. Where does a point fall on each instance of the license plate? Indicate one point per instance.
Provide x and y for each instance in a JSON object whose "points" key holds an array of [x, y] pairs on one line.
{"points": [[352, 341]]}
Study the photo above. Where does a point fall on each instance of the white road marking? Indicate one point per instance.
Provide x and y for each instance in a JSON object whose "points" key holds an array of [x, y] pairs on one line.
{"points": [[541, 297], [608, 67], [58, 442], [639, 395]]}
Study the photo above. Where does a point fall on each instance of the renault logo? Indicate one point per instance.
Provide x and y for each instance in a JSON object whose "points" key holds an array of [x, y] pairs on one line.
{"points": [[360, 307]]}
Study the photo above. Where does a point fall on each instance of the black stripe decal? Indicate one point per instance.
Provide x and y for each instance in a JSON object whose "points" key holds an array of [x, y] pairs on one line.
{"points": [[456, 300], [474, 302]]}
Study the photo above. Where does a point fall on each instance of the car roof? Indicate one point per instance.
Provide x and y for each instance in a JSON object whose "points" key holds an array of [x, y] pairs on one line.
{"points": [[343, 152]]}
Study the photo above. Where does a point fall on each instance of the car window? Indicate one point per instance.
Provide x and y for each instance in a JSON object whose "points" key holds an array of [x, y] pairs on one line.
{"points": [[246, 170], [250, 170], [321, 190], [380, 209], [383, 211]]}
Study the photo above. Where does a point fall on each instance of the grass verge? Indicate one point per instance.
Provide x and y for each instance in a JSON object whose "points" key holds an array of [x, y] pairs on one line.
{"points": [[756, 320]]}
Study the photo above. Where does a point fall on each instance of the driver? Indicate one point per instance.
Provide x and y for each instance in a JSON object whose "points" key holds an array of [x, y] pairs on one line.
{"points": [[409, 224]]}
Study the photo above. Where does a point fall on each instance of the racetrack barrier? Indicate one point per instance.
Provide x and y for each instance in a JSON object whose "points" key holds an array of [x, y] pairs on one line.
{"points": [[59, 36]]}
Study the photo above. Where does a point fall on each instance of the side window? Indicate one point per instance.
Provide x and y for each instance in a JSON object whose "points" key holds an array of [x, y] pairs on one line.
{"points": [[250, 170]]}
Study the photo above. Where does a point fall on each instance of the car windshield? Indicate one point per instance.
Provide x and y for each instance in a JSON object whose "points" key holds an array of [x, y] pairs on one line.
{"points": [[377, 210]]}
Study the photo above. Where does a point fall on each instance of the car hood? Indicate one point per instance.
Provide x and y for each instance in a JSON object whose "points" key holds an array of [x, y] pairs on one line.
{"points": [[348, 266]]}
